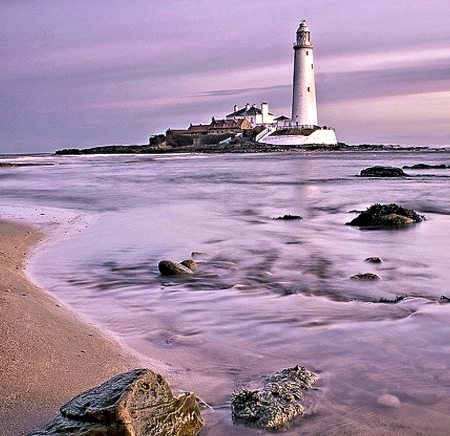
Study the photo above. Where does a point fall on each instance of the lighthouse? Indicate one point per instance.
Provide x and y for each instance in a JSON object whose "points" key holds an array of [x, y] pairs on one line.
{"points": [[303, 128], [304, 106]]}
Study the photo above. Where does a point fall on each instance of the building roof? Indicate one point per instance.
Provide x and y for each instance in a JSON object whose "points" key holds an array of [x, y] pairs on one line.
{"points": [[226, 124], [197, 128], [246, 112]]}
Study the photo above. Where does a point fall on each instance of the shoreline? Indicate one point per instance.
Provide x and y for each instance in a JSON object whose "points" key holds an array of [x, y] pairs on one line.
{"points": [[48, 354], [239, 147]]}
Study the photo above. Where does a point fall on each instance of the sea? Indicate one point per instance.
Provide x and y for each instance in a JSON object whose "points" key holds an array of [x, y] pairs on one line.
{"points": [[267, 293]]}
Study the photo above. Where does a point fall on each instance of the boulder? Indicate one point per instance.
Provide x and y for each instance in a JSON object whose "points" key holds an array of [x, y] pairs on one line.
{"points": [[276, 402], [137, 403], [170, 268], [380, 171], [386, 215]]}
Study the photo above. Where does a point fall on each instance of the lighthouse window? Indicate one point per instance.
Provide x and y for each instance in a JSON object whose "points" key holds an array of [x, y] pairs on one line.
{"points": [[309, 89], [312, 66], [307, 53]]}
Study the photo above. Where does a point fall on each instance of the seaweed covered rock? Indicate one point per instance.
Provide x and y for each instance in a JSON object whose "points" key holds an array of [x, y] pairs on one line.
{"points": [[379, 215], [274, 403], [139, 402], [380, 171]]}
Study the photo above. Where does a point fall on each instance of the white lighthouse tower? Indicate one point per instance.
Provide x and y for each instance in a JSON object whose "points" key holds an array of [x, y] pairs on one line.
{"points": [[304, 106], [302, 129]]}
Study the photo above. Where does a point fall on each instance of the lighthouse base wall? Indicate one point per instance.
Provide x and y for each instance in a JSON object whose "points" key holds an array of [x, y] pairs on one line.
{"points": [[320, 136]]}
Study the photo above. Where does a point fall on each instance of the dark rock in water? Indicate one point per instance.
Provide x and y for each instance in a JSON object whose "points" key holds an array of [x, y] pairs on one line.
{"points": [[394, 301], [139, 402], [422, 166], [276, 402], [189, 263], [198, 254], [170, 268], [366, 276], [379, 171], [373, 259], [386, 215], [289, 217]]}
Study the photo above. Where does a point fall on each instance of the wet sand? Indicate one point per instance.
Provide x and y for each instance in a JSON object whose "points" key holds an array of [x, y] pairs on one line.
{"points": [[48, 354]]}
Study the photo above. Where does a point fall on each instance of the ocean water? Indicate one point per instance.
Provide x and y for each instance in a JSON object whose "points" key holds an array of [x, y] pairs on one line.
{"points": [[267, 294]]}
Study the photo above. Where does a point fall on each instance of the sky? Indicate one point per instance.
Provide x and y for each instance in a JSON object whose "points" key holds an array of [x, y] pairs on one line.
{"points": [[77, 74]]}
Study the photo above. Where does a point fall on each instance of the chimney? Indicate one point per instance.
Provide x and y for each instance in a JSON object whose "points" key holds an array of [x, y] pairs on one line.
{"points": [[236, 108], [247, 106], [265, 113]]}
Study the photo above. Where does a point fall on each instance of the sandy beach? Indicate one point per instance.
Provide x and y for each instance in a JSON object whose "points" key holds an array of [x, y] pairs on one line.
{"points": [[47, 353]]}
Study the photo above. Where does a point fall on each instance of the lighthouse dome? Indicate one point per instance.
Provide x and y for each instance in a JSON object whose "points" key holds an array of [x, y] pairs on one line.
{"points": [[303, 27]]}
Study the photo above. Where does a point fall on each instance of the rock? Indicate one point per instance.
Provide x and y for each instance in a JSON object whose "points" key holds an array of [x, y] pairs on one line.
{"points": [[289, 217], [170, 268], [373, 259], [189, 263], [395, 219], [276, 402], [389, 401], [137, 403], [397, 299], [422, 166], [380, 171], [386, 215], [366, 276]]}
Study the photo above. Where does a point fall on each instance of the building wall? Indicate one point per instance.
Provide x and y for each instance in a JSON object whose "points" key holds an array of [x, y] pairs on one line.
{"points": [[319, 137]]}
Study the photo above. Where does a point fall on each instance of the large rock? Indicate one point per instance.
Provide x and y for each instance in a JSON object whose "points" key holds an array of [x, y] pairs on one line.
{"points": [[380, 171], [137, 403], [275, 403], [386, 215]]}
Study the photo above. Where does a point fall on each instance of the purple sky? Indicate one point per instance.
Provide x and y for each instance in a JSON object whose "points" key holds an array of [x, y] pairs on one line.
{"points": [[84, 73]]}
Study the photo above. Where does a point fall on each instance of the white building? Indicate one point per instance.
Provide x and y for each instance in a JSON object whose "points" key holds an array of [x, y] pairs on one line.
{"points": [[256, 116]]}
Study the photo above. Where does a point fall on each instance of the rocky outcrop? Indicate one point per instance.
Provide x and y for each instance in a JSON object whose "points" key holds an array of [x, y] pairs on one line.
{"points": [[380, 171], [137, 403], [276, 402], [170, 268], [382, 215]]}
